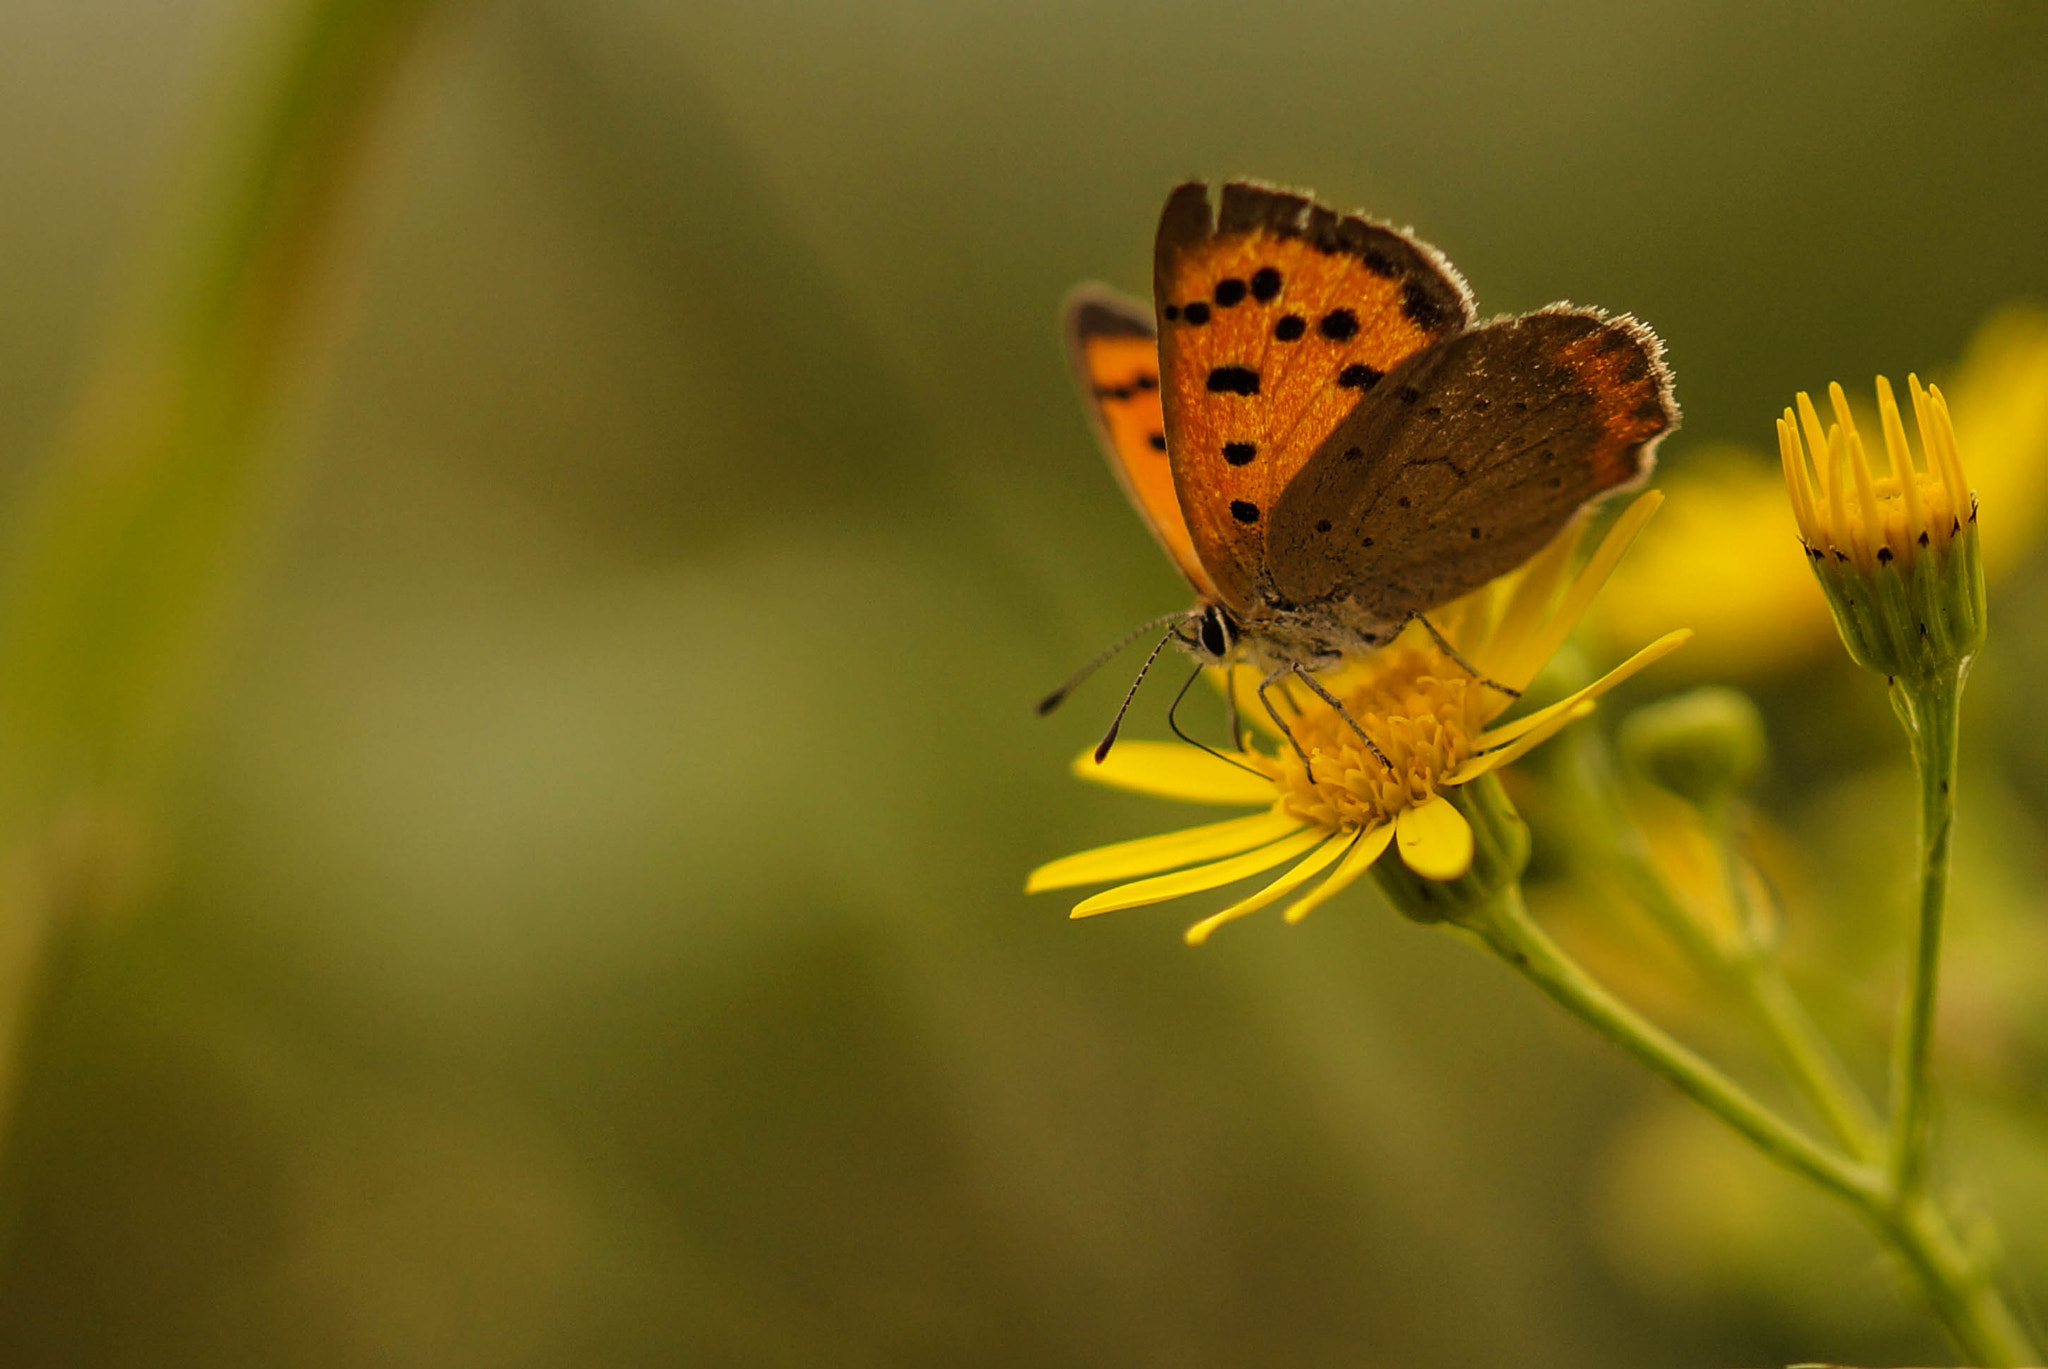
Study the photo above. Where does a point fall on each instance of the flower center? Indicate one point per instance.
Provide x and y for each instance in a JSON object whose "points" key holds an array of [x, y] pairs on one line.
{"points": [[1421, 710], [1895, 526]]}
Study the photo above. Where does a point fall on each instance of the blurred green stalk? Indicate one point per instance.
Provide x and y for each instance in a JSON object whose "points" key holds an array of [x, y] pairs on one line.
{"points": [[1959, 1287], [1740, 962], [115, 570], [1881, 1172], [1508, 931]]}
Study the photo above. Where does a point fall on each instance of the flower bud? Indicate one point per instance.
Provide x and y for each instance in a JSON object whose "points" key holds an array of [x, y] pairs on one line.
{"points": [[1896, 555], [1704, 746]]}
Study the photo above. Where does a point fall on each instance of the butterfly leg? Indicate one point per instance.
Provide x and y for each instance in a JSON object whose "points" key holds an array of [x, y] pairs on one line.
{"points": [[1281, 722], [1444, 645], [1331, 699]]}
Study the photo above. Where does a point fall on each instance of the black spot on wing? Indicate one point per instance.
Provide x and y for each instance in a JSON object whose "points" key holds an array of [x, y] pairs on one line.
{"points": [[1235, 380], [1290, 327], [1229, 292], [1238, 453], [1433, 295], [1244, 511]]}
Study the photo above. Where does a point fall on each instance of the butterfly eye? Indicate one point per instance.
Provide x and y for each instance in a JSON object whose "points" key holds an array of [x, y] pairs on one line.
{"points": [[1217, 636]]}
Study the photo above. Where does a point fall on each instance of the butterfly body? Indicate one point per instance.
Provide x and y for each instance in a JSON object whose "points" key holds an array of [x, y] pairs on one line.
{"points": [[1326, 443]]}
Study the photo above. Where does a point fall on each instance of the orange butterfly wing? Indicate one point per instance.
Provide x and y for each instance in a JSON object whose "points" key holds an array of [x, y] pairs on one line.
{"points": [[1116, 360], [1278, 316]]}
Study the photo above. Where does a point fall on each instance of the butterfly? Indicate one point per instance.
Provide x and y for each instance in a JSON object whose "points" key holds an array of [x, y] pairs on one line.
{"points": [[1323, 439]]}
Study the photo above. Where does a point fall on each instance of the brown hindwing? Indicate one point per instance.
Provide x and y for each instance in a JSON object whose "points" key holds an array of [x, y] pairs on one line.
{"points": [[1469, 459], [1277, 318]]}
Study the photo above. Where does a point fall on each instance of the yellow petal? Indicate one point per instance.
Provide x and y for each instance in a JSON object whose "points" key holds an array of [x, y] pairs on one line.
{"points": [[1168, 851], [1663, 646], [1367, 847], [1792, 460], [1756, 608], [1554, 723], [1535, 591], [1174, 770], [1901, 455], [1435, 840], [1333, 846], [1183, 882], [1541, 646]]}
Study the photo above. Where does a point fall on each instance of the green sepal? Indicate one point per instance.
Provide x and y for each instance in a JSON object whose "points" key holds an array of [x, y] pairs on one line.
{"points": [[1910, 617]]}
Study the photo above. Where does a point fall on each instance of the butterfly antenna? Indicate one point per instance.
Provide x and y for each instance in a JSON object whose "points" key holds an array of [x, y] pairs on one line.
{"points": [[1116, 724], [1174, 723], [1059, 696]]}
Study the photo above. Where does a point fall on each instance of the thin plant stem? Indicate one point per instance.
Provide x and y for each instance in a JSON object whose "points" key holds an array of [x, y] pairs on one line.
{"points": [[1931, 710], [1510, 934], [1743, 965], [1959, 1288], [1810, 1058], [1801, 1047]]}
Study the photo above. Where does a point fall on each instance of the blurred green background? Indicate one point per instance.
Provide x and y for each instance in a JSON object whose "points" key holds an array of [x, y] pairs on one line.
{"points": [[515, 828]]}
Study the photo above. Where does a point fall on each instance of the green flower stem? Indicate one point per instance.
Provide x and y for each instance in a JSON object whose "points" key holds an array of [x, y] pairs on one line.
{"points": [[1809, 1057], [1509, 933], [1930, 707], [1750, 972], [1743, 966], [1802, 1048], [1959, 1288]]}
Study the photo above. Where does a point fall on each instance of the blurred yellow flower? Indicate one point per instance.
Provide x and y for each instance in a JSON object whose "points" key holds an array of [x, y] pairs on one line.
{"points": [[1426, 714], [1756, 611]]}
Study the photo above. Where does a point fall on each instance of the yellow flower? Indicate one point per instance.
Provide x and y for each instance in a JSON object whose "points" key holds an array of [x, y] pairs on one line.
{"points": [[1896, 554], [1756, 614], [1848, 514], [1431, 721]]}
